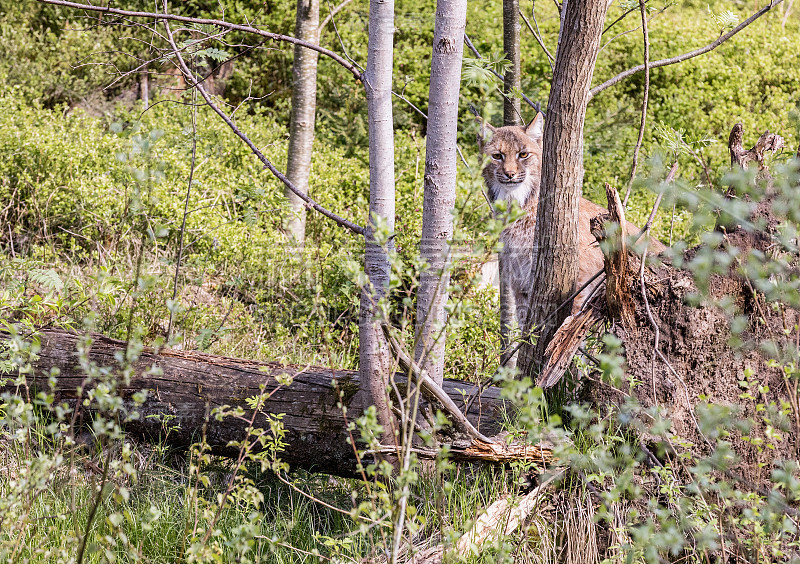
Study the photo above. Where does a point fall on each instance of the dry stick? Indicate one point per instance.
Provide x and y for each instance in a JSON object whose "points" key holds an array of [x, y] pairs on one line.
{"points": [[309, 202], [538, 39], [645, 96], [219, 23], [652, 321], [680, 58], [332, 13], [425, 382], [185, 214], [502, 517]]}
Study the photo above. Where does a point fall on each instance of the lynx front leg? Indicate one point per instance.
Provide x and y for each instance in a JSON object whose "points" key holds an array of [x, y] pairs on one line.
{"points": [[507, 316]]}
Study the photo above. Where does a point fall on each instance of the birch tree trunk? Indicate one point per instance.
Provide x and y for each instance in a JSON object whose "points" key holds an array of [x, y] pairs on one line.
{"points": [[374, 354], [556, 235], [511, 116], [440, 184], [304, 108]]}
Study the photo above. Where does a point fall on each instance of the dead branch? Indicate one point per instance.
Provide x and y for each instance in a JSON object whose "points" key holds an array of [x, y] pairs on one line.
{"points": [[618, 283], [431, 388], [155, 16], [743, 157], [567, 340], [192, 81], [500, 519]]}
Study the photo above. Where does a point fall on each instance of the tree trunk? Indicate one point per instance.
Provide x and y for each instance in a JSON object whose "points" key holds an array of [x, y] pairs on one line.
{"points": [[374, 354], [440, 184], [556, 234], [304, 107], [511, 116], [187, 384], [144, 88], [511, 80]]}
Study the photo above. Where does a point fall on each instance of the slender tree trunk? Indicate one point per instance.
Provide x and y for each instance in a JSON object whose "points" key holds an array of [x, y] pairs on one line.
{"points": [[511, 116], [440, 183], [556, 235], [304, 107], [144, 88], [511, 80], [374, 354]]}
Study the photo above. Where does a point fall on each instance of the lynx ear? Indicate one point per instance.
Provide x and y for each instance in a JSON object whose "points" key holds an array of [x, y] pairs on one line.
{"points": [[535, 127], [485, 131]]}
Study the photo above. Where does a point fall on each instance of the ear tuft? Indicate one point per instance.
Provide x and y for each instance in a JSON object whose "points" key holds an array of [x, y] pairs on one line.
{"points": [[485, 131], [535, 128]]}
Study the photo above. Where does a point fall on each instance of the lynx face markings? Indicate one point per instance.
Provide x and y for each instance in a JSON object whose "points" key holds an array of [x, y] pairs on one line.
{"points": [[513, 173], [515, 161]]}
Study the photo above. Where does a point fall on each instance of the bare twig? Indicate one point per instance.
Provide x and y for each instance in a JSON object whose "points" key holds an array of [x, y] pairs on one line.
{"points": [[332, 13], [219, 23], [424, 381], [538, 39], [309, 202], [185, 214], [652, 321], [619, 19], [680, 58], [645, 95]]}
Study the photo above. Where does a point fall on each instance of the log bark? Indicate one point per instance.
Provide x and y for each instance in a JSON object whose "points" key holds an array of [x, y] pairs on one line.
{"points": [[188, 384]]}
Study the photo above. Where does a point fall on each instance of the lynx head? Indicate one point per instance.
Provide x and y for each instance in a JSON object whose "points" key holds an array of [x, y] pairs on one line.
{"points": [[515, 160]]}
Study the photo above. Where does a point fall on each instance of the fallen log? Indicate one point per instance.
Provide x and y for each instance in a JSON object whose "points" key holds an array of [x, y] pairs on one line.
{"points": [[186, 385]]}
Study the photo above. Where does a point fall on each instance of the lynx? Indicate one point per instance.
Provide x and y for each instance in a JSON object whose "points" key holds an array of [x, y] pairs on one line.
{"points": [[513, 173]]}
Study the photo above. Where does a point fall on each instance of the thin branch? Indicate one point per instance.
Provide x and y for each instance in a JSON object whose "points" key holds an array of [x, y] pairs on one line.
{"points": [[309, 202], [645, 96], [204, 21], [332, 13], [631, 30], [185, 214], [475, 52], [619, 19], [538, 39], [425, 382], [680, 58]]}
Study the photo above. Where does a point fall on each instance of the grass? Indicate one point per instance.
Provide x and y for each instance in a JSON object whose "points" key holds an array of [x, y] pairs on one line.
{"points": [[153, 519]]}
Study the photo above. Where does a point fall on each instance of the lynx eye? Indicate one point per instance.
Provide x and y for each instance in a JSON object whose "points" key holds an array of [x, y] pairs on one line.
{"points": [[498, 156], [524, 155]]}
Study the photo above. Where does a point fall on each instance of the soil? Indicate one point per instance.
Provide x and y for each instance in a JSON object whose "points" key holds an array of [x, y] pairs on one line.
{"points": [[707, 366]]}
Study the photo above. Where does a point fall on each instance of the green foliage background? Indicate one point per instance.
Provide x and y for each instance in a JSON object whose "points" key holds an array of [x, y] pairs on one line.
{"points": [[67, 193], [91, 186]]}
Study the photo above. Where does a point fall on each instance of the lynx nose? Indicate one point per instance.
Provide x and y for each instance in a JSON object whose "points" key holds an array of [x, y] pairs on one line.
{"points": [[513, 176]]}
